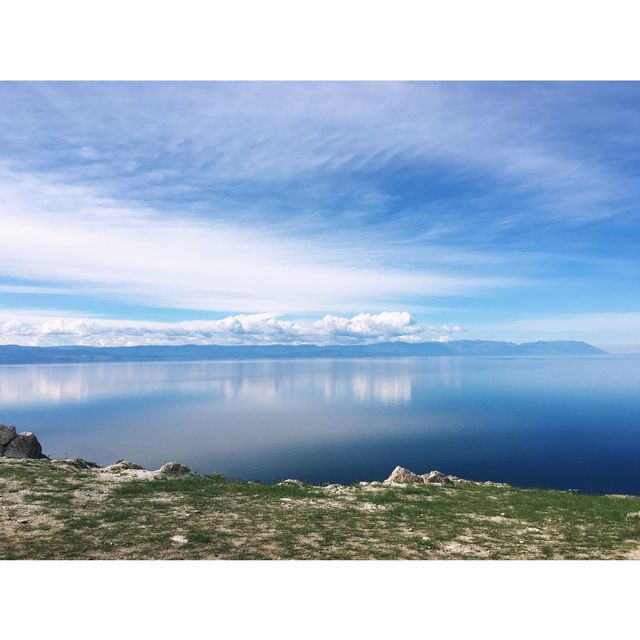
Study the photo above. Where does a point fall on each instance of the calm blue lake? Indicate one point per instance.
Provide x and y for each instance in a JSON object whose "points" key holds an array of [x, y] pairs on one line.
{"points": [[547, 422]]}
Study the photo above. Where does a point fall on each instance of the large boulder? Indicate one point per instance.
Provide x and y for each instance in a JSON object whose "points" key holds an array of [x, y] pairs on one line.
{"points": [[174, 470], [436, 477], [401, 475], [24, 445], [7, 434]]}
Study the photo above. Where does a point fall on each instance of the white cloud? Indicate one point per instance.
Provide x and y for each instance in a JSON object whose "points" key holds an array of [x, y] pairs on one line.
{"points": [[70, 235], [446, 329], [218, 132], [366, 325], [264, 328]]}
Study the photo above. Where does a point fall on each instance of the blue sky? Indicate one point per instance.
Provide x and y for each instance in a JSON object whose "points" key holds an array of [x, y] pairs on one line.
{"points": [[135, 213]]}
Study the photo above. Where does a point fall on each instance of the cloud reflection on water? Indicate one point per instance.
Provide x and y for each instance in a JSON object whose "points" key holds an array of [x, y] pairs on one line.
{"points": [[372, 381]]}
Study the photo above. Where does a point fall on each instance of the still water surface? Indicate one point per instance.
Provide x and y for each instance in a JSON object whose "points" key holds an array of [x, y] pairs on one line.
{"points": [[556, 422]]}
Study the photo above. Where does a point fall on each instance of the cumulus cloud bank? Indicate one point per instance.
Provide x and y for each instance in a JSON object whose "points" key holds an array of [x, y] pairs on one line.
{"points": [[257, 329]]}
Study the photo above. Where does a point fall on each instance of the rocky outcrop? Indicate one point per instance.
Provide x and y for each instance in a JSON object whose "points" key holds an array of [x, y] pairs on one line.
{"points": [[124, 465], [174, 470], [437, 477], [18, 445], [7, 434], [400, 475], [26, 446], [23, 445]]}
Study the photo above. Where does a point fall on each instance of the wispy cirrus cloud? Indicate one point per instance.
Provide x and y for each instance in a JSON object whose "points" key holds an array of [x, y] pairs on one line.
{"points": [[71, 235], [304, 145]]}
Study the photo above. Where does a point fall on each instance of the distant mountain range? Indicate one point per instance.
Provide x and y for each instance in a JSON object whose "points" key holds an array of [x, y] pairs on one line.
{"points": [[14, 354]]}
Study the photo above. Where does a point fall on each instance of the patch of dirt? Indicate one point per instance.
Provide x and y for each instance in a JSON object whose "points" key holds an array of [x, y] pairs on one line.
{"points": [[633, 554], [501, 519], [466, 549], [370, 506]]}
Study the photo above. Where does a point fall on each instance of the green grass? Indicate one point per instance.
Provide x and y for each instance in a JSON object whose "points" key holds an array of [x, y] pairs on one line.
{"points": [[52, 512]]}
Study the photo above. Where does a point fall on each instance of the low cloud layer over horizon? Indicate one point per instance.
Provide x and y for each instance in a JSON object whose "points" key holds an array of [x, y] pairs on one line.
{"points": [[328, 213], [256, 329]]}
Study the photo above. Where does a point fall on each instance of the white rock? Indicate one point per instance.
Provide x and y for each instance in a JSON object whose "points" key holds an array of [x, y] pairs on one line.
{"points": [[435, 477], [400, 475], [174, 470]]}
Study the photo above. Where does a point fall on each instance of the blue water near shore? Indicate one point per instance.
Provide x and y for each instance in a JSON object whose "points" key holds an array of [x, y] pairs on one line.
{"points": [[543, 422]]}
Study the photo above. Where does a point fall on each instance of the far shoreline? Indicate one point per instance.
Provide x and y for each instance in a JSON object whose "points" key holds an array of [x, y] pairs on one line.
{"points": [[78, 354]]}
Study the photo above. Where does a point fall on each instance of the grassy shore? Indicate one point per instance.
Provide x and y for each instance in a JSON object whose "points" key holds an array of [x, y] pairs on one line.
{"points": [[55, 511]]}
